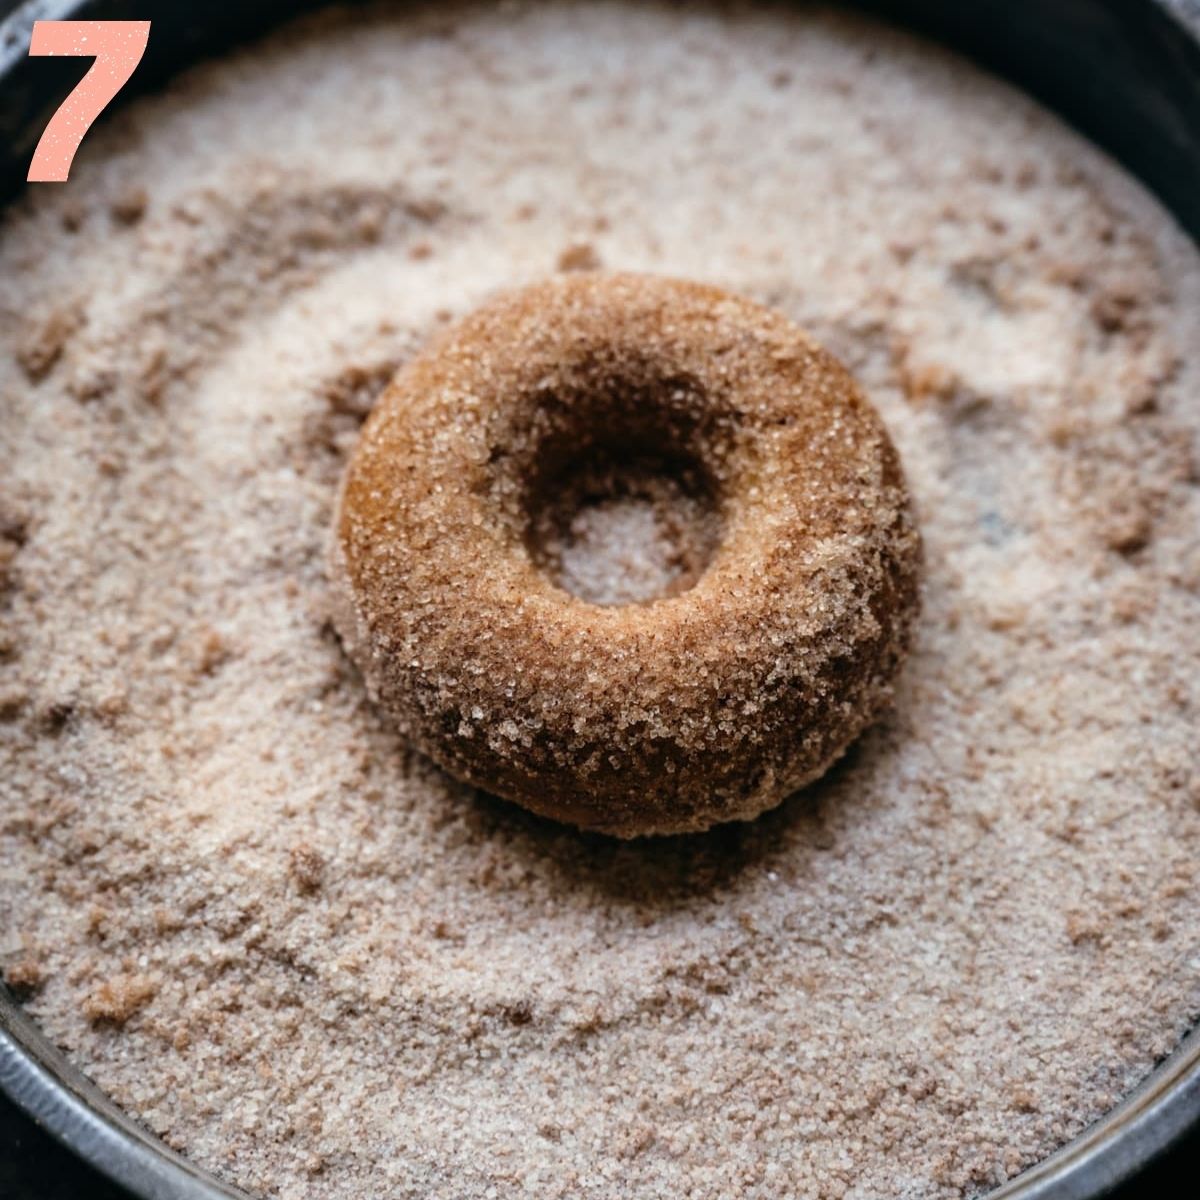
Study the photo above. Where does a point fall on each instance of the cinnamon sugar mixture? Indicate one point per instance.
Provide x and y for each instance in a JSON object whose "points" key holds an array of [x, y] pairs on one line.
{"points": [[322, 969]]}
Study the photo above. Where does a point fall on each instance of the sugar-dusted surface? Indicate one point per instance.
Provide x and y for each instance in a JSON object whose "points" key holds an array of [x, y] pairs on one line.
{"points": [[327, 972], [718, 700]]}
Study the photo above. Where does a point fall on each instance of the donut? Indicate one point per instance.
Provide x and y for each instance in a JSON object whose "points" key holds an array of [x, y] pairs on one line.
{"points": [[712, 701]]}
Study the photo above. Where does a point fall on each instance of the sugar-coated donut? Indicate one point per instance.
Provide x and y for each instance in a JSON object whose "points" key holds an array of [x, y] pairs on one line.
{"points": [[708, 704]]}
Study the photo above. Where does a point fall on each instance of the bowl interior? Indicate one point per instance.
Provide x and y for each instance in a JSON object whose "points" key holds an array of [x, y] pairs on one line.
{"points": [[1125, 72]]}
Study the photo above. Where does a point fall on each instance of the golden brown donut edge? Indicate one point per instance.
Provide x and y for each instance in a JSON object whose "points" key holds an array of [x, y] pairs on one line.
{"points": [[665, 717]]}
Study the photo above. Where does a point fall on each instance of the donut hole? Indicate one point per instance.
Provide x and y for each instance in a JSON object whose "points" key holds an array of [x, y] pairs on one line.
{"points": [[624, 523]]}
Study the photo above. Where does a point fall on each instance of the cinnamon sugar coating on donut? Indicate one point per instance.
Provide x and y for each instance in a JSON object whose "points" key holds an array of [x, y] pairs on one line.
{"points": [[709, 703]]}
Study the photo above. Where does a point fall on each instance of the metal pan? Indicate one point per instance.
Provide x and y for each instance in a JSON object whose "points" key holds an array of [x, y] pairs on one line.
{"points": [[1125, 72]]}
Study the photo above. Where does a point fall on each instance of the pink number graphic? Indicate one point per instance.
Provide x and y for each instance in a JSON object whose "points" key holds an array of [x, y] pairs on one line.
{"points": [[117, 47]]}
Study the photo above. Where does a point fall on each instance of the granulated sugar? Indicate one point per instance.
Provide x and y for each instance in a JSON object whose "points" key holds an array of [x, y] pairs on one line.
{"points": [[322, 969]]}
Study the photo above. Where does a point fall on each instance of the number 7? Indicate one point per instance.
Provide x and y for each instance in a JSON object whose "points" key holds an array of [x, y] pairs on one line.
{"points": [[117, 47]]}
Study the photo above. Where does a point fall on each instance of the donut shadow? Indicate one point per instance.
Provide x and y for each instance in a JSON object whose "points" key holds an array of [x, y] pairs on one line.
{"points": [[654, 875], [658, 875]]}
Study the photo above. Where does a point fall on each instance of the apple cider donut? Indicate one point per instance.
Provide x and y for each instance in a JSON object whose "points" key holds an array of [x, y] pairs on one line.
{"points": [[708, 703]]}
